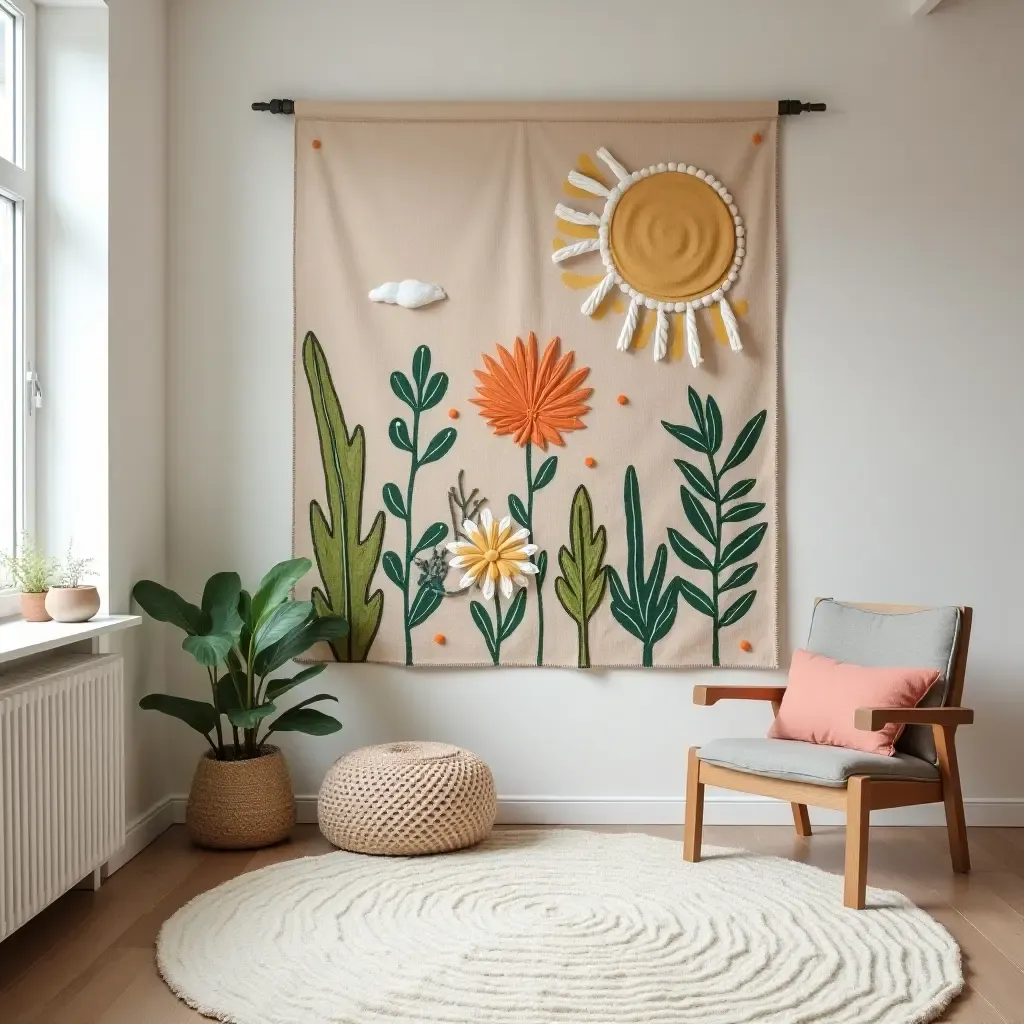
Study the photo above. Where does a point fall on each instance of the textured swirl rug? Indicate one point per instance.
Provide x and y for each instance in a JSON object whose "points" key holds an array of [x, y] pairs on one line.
{"points": [[540, 927]]}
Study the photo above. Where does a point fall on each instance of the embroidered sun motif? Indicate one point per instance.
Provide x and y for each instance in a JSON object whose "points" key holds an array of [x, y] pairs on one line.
{"points": [[494, 554], [670, 237]]}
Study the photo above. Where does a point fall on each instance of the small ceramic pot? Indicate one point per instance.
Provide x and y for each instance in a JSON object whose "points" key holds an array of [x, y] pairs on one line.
{"points": [[241, 805], [72, 604], [33, 607]]}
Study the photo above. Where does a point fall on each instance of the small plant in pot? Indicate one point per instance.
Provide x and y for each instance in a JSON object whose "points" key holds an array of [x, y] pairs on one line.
{"points": [[241, 795], [69, 599], [31, 571]]}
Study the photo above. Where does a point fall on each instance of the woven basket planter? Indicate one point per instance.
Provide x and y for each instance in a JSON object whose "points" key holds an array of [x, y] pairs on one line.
{"points": [[404, 799], [241, 805]]}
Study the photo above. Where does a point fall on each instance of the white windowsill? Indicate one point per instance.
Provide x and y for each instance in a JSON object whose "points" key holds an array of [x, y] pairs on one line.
{"points": [[20, 639]]}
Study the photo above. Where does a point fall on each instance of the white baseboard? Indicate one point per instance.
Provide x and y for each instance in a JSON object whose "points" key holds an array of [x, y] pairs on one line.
{"points": [[143, 830], [545, 810]]}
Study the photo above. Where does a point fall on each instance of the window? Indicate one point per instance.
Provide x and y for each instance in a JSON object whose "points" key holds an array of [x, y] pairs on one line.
{"points": [[18, 385]]}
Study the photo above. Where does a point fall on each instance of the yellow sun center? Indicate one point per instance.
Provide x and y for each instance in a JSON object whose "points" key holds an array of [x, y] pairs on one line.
{"points": [[672, 237], [492, 555]]}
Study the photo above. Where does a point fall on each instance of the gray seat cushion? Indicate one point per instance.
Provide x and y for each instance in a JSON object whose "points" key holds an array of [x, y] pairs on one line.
{"points": [[925, 639], [812, 762]]}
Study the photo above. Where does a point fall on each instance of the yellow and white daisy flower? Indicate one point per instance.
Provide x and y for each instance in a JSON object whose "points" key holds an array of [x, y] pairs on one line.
{"points": [[493, 553]]}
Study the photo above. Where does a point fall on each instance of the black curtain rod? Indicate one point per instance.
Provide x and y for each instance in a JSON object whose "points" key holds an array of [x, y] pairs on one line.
{"points": [[786, 107]]}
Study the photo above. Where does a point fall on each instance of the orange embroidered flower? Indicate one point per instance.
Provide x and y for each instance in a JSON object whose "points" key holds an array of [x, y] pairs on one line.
{"points": [[534, 400]]}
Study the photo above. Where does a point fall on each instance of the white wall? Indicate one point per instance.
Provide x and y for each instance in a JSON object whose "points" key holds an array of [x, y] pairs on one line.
{"points": [[901, 354], [137, 333]]}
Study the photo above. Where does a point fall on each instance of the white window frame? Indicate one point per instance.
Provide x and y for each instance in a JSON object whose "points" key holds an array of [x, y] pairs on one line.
{"points": [[18, 183]]}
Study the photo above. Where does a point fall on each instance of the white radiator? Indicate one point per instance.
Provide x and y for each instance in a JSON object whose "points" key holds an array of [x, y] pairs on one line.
{"points": [[61, 778]]}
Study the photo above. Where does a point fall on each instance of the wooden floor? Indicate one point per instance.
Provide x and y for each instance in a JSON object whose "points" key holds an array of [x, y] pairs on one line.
{"points": [[89, 957]]}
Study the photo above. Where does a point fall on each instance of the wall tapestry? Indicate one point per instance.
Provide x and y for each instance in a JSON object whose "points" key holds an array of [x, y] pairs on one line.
{"points": [[536, 381]]}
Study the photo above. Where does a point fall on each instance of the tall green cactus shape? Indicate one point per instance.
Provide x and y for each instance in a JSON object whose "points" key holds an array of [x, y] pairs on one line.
{"points": [[346, 560]]}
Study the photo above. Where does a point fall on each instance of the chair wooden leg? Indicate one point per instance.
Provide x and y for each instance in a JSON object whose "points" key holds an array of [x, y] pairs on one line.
{"points": [[801, 819], [858, 813], [694, 809], [953, 798]]}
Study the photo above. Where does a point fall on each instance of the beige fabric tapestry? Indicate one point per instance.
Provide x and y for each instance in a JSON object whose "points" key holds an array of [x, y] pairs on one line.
{"points": [[536, 381]]}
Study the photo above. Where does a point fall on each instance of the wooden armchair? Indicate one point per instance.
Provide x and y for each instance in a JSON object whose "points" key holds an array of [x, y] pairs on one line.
{"points": [[924, 769]]}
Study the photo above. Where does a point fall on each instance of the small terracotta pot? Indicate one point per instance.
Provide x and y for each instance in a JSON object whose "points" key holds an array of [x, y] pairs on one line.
{"points": [[33, 607], [72, 604], [241, 805]]}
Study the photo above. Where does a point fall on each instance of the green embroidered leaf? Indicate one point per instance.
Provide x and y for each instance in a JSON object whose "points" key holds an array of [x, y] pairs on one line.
{"points": [[581, 588], [687, 435], [426, 602], [746, 441], [439, 446], [393, 569], [737, 610], [546, 473], [399, 434], [744, 510], [647, 611], [421, 367], [744, 574], [516, 611], [403, 389], [432, 536], [714, 431], [435, 391], [697, 408], [394, 501], [741, 546], [696, 479], [689, 552], [696, 598], [739, 489], [483, 623], [542, 568], [698, 516], [517, 510], [346, 560]]}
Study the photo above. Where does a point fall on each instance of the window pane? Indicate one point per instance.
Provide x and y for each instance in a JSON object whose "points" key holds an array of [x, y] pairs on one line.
{"points": [[8, 81], [9, 379]]}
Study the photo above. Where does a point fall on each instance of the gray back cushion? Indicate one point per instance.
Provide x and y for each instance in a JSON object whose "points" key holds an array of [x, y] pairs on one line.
{"points": [[925, 639]]}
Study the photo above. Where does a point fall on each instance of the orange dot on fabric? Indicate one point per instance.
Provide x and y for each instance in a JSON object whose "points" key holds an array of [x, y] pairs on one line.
{"points": [[316, 143], [453, 414], [440, 638], [590, 462], [622, 400], [746, 645], [758, 139]]}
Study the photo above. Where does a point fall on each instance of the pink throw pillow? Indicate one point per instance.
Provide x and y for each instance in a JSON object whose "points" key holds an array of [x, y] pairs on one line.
{"points": [[823, 694]]}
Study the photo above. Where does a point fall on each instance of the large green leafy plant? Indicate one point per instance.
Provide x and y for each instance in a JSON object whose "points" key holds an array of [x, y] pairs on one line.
{"points": [[242, 640]]}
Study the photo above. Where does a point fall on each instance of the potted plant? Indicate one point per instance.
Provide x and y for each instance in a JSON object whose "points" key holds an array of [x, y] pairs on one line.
{"points": [[241, 795], [29, 569], [68, 599]]}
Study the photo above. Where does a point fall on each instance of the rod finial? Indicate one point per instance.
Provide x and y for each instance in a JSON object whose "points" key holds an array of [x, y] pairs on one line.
{"points": [[276, 106], [787, 107]]}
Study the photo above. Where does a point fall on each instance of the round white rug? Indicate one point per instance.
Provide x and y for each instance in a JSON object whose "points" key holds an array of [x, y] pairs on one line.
{"points": [[541, 927]]}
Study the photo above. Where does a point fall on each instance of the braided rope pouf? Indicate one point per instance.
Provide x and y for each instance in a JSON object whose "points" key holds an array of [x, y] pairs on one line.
{"points": [[537, 927], [403, 799]]}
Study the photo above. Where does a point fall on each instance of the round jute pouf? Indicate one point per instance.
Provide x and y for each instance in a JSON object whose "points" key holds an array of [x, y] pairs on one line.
{"points": [[404, 799], [536, 927]]}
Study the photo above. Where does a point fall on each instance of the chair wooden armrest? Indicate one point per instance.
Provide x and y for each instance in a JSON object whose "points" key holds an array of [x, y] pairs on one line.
{"points": [[872, 719], [705, 696]]}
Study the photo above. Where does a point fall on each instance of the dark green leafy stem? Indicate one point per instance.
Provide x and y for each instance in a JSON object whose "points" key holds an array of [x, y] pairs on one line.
{"points": [[427, 393], [647, 609], [581, 587], [346, 561], [706, 438], [496, 632], [522, 513]]}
